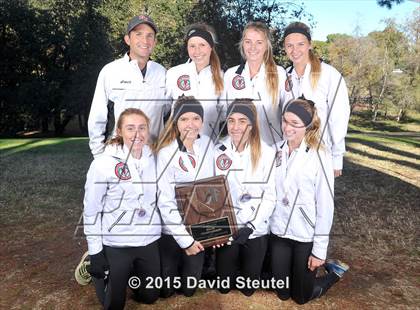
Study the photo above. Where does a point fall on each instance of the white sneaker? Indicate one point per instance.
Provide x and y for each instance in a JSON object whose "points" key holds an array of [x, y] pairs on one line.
{"points": [[82, 276]]}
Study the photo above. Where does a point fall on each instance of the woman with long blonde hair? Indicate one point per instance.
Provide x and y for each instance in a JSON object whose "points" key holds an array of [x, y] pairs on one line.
{"points": [[247, 162], [258, 78], [321, 83]]}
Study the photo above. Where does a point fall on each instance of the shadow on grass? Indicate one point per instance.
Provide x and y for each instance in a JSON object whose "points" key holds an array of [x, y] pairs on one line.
{"points": [[41, 145], [370, 201], [381, 147], [378, 157], [410, 141], [25, 144]]}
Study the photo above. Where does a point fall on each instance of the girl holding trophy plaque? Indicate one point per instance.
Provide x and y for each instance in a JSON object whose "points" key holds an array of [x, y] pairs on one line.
{"points": [[183, 155]]}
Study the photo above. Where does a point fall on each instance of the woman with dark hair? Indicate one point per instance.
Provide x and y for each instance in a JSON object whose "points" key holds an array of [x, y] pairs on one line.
{"points": [[302, 219], [321, 83], [121, 224], [258, 78], [183, 155], [201, 76], [247, 163]]}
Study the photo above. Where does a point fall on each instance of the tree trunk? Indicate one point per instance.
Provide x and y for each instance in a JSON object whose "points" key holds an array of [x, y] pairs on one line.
{"points": [[44, 124], [353, 104], [379, 100], [375, 113], [383, 88], [59, 124], [81, 117], [370, 99], [354, 99], [400, 115]]}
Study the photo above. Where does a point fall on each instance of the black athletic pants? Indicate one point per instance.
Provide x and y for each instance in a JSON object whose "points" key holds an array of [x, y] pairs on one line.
{"points": [[241, 260], [176, 263], [124, 263], [289, 258]]}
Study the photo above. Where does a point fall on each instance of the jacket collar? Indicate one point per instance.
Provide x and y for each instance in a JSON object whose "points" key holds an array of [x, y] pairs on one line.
{"points": [[192, 69], [134, 63], [228, 145], [305, 74], [303, 147], [181, 145], [260, 74], [122, 152]]}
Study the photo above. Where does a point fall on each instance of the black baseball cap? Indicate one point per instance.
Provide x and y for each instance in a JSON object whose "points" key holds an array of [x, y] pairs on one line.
{"points": [[141, 19]]}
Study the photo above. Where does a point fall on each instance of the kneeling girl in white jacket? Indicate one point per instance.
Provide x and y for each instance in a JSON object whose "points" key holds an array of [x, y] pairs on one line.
{"points": [[121, 222], [303, 216], [182, 156], [247, 163]]}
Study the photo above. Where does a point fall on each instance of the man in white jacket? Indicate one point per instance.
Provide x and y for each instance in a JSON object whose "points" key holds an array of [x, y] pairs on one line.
{"points": [[133, 81]]}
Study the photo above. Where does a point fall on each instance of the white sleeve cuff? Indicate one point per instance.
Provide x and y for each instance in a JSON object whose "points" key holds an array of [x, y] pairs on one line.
{"points": [[184, 241], [338, 162], [94, 247], [319, 251]]}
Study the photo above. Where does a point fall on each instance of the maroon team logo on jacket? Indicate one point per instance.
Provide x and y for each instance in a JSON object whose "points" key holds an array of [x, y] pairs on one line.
{"points": [[182, 165], [122, 172], [238, 82], [223, 162], [184, 82]]}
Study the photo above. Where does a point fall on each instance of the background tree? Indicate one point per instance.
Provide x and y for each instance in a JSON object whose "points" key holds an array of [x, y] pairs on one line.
{"points": [[392, 44], [389, 3], [356, 59], [49, 67], [405, 92], [381, 68], [18, 49]]}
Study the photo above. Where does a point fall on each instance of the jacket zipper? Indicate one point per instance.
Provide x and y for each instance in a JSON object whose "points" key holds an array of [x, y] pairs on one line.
{"points": [[116, 222], [307, 218]]}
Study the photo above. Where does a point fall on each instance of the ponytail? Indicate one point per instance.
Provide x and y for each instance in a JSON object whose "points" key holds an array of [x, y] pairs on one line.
{"points": [[216, 72], [315, 69]]}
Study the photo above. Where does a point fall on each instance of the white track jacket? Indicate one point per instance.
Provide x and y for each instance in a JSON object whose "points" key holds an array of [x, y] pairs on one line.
{"points": [[306, 179], [238, 84], [175, 165], [184, 80], [120, 200], [323, 96], [258, 184], [120, 86]]}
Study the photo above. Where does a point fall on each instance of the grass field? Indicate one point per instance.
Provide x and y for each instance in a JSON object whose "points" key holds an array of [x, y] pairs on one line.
{"points": [[376, 226]]}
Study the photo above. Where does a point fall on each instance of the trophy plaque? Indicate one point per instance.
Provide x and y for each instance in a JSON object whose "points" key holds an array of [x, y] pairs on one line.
{"points": [[207, 210]]}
